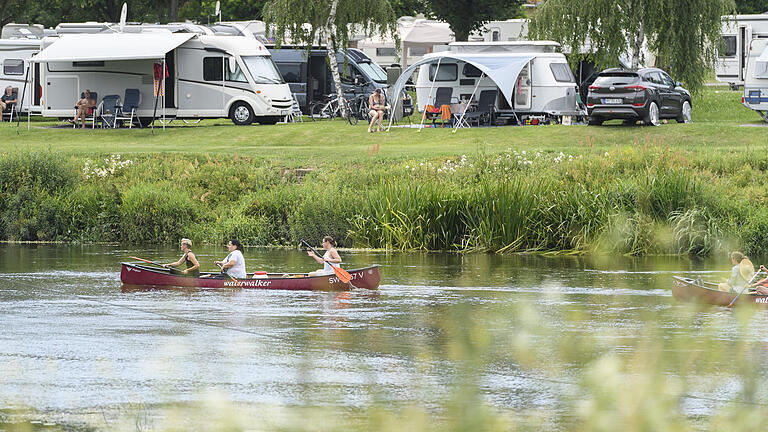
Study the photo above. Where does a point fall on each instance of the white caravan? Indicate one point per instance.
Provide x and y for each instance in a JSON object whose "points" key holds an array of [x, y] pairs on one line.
{"points": [[542, 86], [738, 31], [417, 37], [207, 76], [756, 78], [502, 31]]}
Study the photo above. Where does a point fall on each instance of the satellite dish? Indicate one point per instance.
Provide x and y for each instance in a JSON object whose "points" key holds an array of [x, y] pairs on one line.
{"points": [[218, 8], [123, 14]]}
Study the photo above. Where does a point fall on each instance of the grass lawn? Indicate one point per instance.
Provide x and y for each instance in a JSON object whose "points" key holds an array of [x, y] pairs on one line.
{"points": [[718, 119]]}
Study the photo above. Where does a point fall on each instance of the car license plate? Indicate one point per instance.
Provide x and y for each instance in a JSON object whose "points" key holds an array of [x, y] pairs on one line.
{"points": [[612, 101]]}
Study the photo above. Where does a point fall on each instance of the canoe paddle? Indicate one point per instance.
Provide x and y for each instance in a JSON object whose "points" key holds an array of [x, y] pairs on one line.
{"points": [[746, 287], [146, 261], [230, 276], [342, 274]]}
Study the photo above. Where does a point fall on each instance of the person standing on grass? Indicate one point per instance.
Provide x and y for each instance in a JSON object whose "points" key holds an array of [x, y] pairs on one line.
{"points": [[330, 256], [377, 107], [188, 257], [234, 264]]}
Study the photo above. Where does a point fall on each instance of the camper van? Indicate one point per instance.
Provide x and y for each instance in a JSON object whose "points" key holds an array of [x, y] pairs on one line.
{"points": [[738, 31], [309, 77], [756, 78], [206, 76], [543, 86]]}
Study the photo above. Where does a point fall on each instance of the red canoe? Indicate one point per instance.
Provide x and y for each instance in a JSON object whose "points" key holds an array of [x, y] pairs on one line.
{"points": [[137, 274], [689, 290]]}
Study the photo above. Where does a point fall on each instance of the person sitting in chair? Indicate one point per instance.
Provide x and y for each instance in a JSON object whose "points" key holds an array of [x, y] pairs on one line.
{"points": [[377, 108], [9, 99], [83, 106]]}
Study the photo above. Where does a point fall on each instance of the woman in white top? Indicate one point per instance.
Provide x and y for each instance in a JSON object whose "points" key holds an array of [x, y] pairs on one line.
{"points": [[234, 264], [330, 256]]}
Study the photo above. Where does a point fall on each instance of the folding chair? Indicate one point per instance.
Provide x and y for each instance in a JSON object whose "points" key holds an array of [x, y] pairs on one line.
{"points": [[11, 109], [91, 116], [295, 112], [485, 107], [108, 114], [443, 96], [128, 111]]}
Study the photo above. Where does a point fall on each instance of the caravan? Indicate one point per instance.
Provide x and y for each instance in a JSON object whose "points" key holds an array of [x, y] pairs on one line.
{"points": [[756, 78], [14, 56], [738, 31], [534, 79], [206, 76]]}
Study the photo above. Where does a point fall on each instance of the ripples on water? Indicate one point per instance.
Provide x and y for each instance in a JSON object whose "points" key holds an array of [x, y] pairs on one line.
{"points": [[74, 340]]}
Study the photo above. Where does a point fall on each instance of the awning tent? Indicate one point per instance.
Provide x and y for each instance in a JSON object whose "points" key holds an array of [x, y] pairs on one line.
{"points": [[501, 69], [424, 34], [761, 65], [114, 46]]}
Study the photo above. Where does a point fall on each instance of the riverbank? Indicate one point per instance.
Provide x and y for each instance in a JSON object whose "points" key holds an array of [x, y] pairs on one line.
{"points": [[673, 189]]}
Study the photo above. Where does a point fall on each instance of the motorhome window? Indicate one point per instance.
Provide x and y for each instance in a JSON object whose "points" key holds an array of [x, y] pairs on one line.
{"points": [[385, 52], [471, 71], [562, 72], [13, 67], [263, 70], [95, 63], [728, 46], [236, 75], [416, 51], [446, 72], [291, 72], [213, 68], [374, 71], [349, 73]]}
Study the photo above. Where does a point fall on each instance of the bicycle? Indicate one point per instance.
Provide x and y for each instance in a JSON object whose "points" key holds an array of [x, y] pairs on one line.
{"points": [[328, 109], [358, 109]]}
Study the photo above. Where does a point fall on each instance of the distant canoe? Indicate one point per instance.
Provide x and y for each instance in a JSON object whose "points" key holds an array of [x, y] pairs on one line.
{"points": [[137, 274], [689, 290]]}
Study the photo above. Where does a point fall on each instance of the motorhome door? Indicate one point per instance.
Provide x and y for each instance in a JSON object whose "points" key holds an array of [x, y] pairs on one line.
{"points": [[744, 39], [522, 88]]}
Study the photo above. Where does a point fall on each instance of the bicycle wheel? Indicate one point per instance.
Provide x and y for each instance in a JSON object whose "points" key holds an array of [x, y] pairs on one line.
{"points": [[362, 110], [318, 112], [351, 116]]}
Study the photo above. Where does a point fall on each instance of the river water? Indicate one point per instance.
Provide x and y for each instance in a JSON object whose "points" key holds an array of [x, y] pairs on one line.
{"points": [[518, 334]]}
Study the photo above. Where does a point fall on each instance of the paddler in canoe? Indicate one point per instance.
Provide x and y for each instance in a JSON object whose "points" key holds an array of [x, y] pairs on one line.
{"points": [[330, 256], [761, 286], [188, 257], [742, 273], [234, 264]]}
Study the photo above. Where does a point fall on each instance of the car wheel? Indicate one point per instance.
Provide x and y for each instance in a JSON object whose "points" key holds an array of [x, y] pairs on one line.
{"points": [[241, 114], [652, 117], [685, 113], [595, 121]]}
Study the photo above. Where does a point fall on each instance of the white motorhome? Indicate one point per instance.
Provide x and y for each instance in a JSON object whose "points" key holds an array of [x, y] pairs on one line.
{"points": [[756, 78], [14, 56], [738, 31], [534, 79], [207, 76], [502, 31]]}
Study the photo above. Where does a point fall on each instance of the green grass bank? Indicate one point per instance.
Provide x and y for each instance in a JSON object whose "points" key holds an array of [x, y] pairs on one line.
{"points": [[670, 189]]}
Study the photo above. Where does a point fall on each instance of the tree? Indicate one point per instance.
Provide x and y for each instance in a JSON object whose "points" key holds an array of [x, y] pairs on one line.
{"points": [[231, 10], [466, 16], [751, 6], [684, 34], [329, 21]]}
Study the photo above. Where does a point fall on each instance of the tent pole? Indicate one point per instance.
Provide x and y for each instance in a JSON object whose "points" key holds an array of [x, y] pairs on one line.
{"points": [[162, 85], [431, 87], [21, 102], [458, 123], [157, 96]]}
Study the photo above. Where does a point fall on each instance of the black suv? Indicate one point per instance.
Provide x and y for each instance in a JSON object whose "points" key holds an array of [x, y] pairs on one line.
{"points": [[645, 94]]}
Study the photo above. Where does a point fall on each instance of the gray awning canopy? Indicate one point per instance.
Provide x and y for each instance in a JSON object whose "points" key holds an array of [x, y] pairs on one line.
{"points": [[502, 69], [111, 46]]}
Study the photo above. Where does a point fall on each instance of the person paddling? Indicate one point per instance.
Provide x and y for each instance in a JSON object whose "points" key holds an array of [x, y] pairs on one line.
{"points": [[741, 273], [188, 257], [330, 256], [234, 264], [761, 286]]}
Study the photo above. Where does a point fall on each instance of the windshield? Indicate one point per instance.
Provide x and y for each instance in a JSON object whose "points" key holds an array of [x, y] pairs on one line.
{"points": [[374, 71], [263, 70]]}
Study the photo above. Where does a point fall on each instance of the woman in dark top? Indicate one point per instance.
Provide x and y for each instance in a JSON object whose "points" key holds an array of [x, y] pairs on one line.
{"points": [[193, 267]]}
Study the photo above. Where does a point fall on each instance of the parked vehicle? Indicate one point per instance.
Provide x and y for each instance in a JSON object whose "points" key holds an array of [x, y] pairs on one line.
{"points": [[647, 94], [738, 31], [14, 56], [207, 76], [756, 78], [534, 79], [309, 77]]}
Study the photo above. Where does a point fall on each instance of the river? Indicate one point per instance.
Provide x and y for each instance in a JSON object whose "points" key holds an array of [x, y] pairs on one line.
{"points": [[520, 335]]}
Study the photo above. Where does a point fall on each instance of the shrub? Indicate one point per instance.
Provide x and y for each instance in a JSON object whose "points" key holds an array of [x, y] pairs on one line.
{"points": [[156, 213]]}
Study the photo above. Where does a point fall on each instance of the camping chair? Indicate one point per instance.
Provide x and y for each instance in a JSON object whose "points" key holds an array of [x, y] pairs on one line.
{"points": [[485, 106], [295, 112], [91, 116], [108, 111], [127, 112], [11, 109], [443, 96]]}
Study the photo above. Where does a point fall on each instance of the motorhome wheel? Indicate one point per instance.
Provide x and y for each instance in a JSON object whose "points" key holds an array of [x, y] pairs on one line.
{"points": [[241, 114]]}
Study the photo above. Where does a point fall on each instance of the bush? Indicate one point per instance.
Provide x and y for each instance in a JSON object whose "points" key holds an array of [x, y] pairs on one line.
{"points": [[157, 213]]}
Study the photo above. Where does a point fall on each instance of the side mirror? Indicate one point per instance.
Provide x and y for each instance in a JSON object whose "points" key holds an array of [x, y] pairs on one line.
{"points": [[678, 84]]}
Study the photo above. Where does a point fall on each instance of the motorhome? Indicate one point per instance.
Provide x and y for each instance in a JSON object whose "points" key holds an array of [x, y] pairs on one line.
{"points": [[14, 56], [737, 33], [756, 78], [307, 73], [206, 76], [533, 78]]}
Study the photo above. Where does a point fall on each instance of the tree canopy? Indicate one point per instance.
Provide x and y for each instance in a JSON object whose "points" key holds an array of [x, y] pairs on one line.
{"points": [[684, 35], [751, 6], [466, 16]]}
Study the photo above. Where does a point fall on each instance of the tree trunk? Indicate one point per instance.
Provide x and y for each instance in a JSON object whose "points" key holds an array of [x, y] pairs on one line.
{"points": [[332, 62], [173, 10], [637, 46]]}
